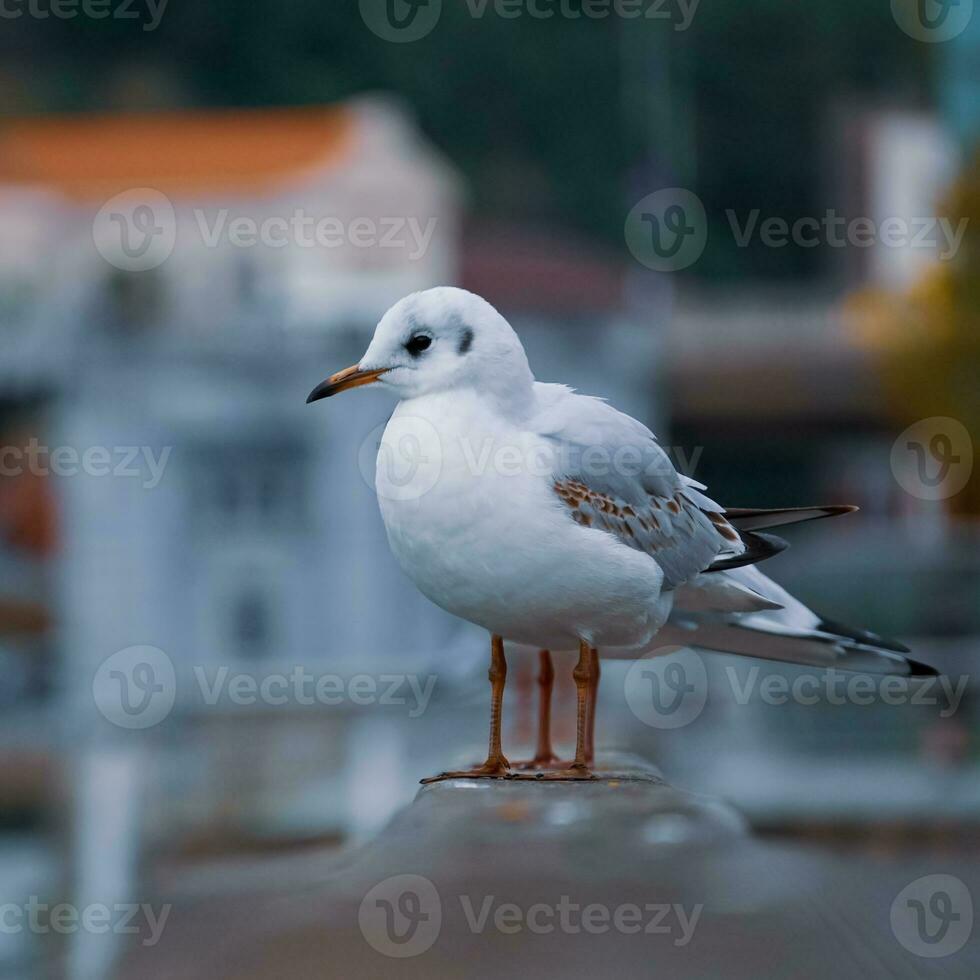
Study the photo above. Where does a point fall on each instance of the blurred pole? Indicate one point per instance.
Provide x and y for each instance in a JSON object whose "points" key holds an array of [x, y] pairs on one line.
{"points": [[107, 797], [658, 111], [657, 99]]}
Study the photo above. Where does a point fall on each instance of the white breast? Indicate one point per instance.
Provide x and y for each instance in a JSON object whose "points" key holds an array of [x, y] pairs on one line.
{"points": [[471, 517]]}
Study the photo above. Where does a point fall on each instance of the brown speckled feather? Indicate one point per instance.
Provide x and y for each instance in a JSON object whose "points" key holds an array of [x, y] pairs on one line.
{"points": [[613, 476], [679, 535]]}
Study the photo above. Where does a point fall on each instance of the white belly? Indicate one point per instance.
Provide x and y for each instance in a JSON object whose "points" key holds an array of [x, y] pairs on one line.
{"points": [[473, 521]]}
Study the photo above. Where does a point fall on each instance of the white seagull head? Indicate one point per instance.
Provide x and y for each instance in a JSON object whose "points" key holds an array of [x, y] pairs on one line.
{"points": [[439, 340]]}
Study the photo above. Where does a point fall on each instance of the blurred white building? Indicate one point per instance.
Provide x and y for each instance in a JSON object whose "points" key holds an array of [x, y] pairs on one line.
{"points": [[172, 285], [288, 235]]}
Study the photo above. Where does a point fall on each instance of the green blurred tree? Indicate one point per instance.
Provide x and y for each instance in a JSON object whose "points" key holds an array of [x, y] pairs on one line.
{"points": [[563, 120]]}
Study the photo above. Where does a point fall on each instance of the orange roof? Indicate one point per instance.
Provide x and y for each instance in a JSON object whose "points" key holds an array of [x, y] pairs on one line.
{"points": [[94, 156]]}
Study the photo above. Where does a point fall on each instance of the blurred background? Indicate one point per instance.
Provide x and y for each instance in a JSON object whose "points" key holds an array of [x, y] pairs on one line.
{"points": [[208, 653]]}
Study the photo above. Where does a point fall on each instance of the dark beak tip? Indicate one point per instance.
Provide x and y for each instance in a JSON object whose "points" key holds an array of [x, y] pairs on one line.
{"points": [[322, 390], [352, 377]]}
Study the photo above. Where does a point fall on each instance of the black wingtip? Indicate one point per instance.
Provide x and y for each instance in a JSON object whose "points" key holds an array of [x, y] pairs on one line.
{"points": [[758, 547], [837, 510], [867, 637], [759, 518], [919, 669]]}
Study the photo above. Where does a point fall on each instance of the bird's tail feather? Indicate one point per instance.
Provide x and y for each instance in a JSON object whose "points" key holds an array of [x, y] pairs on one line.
{"points": [[758, 519], [771, 641], [787, 631], [749, 521]]}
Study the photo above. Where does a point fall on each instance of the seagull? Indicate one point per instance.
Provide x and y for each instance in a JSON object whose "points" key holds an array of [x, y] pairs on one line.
{"points": [[551, 519]]}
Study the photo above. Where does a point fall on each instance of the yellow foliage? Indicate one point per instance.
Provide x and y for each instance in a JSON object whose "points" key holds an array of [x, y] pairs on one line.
{"points": [[928, 339]]}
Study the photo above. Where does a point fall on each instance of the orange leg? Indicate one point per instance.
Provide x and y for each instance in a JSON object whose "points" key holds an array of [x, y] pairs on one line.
{"points": [[583, 678], [544, 754], [586, 676], [498, 679], [496, 764], [593, 697]]}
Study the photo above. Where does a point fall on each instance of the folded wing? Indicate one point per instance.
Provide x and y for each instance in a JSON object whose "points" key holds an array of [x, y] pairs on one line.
{"points": [[613, 475]]}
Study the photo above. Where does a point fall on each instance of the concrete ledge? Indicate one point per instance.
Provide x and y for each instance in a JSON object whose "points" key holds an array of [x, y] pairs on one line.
{"points": [[496, 878]]}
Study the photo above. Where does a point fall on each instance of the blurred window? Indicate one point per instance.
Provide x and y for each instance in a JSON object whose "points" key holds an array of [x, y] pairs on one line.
{"points": [[17, 299], [257, 485], [252, 627], [136, 300]]}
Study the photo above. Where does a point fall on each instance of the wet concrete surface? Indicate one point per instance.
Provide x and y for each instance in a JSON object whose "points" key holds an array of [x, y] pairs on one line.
{"points": [[623, 876]]}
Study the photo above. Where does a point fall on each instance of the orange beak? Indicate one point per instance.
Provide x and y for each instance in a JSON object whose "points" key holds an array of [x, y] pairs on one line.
{"points": [[352, 377]]}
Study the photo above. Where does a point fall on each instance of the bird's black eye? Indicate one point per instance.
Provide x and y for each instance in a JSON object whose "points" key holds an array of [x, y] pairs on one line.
{"points": [[420, 342]]}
